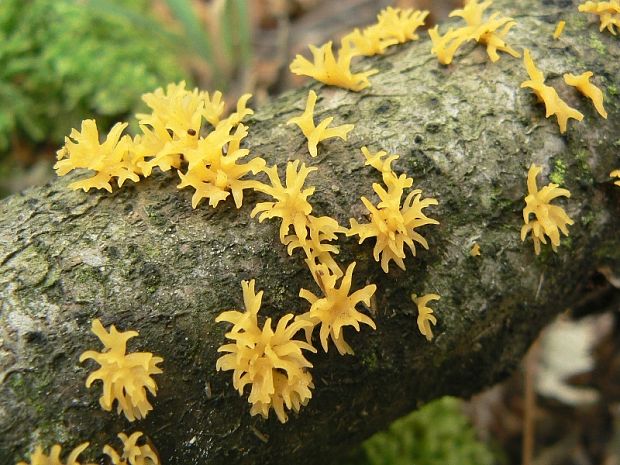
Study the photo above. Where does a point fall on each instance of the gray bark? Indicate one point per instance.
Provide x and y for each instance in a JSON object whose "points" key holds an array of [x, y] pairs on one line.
{"points": [[141, 258]]}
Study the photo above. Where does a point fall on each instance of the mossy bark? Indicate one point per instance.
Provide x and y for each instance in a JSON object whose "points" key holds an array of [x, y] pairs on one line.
{"points": [[141, 258]]}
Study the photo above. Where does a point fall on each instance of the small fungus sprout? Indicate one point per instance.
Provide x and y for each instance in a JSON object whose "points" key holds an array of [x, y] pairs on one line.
{"points": [[39, 458], [316, 134], [425, 314], [554, 105], [582, 84]]}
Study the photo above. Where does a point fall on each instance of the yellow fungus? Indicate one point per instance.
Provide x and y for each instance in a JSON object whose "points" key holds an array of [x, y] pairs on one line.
{"points": [[393, 225], [337, 308], [400, 24], [549, 219], [371, 41], [125, 377], [112, 159], [425, 314], [475, 250], [553, 103], [39, 458], [607, 11], [316, 134], [558, 29], [133, 454], [270, 361], [583, 85], [329, 70], [615, 174]]}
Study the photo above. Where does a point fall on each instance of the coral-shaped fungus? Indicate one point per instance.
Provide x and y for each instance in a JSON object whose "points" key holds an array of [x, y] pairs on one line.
{"points": [[39, 458], [125, 377], [608, 13], [215, 168], [615, 174], [331, 70], [270, 361], [393, 222], [554, 105], [370, 41], [549, 219], [316, 134], [425, 314], [399, 24], [291, 201], [582, 84], [132, 454], [337, 308], [490, 32], [112, 159]]}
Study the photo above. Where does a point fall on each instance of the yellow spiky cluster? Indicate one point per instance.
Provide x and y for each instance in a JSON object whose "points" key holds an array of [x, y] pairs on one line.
{"points": [[607, 11], [39, 458], [184, 129], [125, 377], [268, 360], [132, 454], [549, 220], [394, 26], [615, 174], [491, 32], [393, 222]]}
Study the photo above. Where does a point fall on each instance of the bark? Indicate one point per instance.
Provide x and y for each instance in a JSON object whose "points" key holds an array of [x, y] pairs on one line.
{"points": [[141, 258]]}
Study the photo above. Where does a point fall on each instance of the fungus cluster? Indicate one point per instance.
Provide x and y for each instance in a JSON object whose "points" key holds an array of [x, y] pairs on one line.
{"points": [[607, 11], [132, 454], [39, 458], [490, 32], [393, 26], [184, 129], [125, 377], [393, 221]]}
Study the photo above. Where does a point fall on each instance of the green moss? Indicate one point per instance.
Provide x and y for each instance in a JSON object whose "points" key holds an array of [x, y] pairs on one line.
{"points": [[559, 170], [370, 361], [596, 44], [438, 433], [612, 89]]}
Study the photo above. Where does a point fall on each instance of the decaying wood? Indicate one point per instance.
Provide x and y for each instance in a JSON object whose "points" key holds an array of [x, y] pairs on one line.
{"points": [[141, 258]]}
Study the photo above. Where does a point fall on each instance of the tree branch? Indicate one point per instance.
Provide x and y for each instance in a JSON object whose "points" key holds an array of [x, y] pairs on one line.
{"points": [[141, 258]]}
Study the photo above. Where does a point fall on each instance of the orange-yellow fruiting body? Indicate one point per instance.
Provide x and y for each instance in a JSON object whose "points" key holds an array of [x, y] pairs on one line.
{"points": [[39, 458], [549, 219], [583, 85], [475, 250], [558, 29], [331, 70], [112, 159], [425, 314], [399, 24], [491, 33], [615, 174], [391, 224], [270, 361], [316, 134], [133, 454], [607, 11], [125, 377], [337, 308], [554, 105]]}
